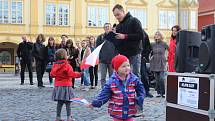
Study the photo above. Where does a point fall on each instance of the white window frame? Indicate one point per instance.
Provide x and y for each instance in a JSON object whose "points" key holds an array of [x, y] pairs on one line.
{"points": [[97, 16], [51, 11], [140, 14], [193, 19], [92, 16], [10, 12], [58, 21], [167, 19], [17, 11], [3, 9], [64, 21], [103, 16], [184, 19]]}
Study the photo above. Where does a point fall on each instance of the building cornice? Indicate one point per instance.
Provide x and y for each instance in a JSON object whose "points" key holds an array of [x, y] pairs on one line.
{"points": [[194, 4], [166, 4], [98, 1], [136, 3]]}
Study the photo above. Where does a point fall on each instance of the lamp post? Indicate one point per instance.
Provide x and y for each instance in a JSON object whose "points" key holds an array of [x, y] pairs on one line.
{"points": [[178, 9]]}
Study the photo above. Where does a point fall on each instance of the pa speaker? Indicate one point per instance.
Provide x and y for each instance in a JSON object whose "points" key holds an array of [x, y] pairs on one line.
{"points": [[207, 50], [187, 51]]}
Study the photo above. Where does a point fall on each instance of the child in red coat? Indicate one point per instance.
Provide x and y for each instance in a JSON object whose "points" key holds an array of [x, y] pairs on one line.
{"points": [[63, 73]]}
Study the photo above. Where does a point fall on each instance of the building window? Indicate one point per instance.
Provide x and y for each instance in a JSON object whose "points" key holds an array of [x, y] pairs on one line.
{"points": [[63, 14], [167, 19], [57, 14], [140, 14], [97, 16], [50, 14], [5, 57], [184, 16], [11, 12], [4, 11], [193, 20], [16, 10]]}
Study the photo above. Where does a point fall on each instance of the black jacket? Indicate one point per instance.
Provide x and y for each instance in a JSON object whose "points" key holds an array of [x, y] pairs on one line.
{"points": [[73, 55], [49, 53], [108, 50], [146, 48], [133, 28], [39, 51], [24, 51]]}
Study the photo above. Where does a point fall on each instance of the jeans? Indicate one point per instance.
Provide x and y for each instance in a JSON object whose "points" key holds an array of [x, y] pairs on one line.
{"points": [[160, 77], [85, 77], [103, 69], [144, 76], [23, 66], [135, 62]]}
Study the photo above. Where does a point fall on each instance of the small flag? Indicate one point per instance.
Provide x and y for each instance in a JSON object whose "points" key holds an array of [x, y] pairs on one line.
{"points": [[79, 101], [92, 59]]}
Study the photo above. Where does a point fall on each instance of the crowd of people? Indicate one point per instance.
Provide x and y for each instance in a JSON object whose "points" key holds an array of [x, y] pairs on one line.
{"points": [[124, 59], [44, 57]]}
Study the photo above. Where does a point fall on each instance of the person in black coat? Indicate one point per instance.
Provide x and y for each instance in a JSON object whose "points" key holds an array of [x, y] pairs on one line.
{"points": [[24, 52], [73, 53], [145, 59], [107, 52], [64, 39], [129, 37], [39, 55], [49, 56]]}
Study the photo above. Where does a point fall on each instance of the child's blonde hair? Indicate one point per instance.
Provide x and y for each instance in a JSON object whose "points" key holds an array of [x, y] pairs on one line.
{"points": [[61, 54]]}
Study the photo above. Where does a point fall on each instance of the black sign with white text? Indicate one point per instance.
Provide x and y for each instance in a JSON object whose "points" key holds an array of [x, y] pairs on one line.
{"points": [[188, 85]]}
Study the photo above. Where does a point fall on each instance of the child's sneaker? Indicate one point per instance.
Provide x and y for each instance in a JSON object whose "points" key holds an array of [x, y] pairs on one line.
{"points": [[139, 113]]}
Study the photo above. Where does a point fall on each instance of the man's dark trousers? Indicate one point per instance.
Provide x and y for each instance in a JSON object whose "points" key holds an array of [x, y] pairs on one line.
{"points": [[144, 76], [40, 68], [23, 66]]}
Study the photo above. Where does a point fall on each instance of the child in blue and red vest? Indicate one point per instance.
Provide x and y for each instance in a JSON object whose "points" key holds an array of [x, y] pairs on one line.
{"points": [[124, 91]]}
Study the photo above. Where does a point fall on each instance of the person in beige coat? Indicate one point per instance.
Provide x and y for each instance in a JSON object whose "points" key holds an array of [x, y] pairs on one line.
{"points": [[84, 53], [158, 62]]}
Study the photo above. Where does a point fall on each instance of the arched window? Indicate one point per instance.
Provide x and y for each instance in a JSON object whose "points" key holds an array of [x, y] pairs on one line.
{"points": [[5, 57]]}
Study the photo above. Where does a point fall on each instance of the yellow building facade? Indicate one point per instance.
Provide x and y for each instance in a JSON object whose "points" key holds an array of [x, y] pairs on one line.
{"points": [[81, 18]]}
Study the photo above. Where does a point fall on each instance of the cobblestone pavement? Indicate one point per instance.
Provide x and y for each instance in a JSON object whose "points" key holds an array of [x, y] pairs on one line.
{"points": [[28, 103]]}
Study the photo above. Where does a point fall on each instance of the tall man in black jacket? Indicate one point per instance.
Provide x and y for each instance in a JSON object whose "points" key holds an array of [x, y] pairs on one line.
{"points": [[24, 52], [129, 37]]}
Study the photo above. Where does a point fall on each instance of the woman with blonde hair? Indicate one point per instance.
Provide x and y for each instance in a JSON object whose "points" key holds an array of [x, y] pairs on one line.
{"points": [[158, 62]]}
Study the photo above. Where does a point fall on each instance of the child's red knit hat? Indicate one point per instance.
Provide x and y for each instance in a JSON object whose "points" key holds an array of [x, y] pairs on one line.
{"points": [[118, 60]]}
